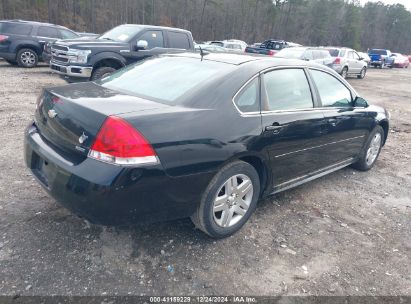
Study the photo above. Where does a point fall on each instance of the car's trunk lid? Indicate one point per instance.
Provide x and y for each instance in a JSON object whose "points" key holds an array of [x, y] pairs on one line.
{"points": [[69, 117]]}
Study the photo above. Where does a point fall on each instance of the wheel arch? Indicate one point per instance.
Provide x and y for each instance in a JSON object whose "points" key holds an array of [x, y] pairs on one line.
{"points": [[28, 46], [109, 62], [385, 126]]}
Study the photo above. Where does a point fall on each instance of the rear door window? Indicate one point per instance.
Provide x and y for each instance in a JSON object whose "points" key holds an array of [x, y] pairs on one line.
{"points": [[15, 28], [153, 38], [286, 89], [179, 40], [47, 31], [332, 92], [247, 100]]}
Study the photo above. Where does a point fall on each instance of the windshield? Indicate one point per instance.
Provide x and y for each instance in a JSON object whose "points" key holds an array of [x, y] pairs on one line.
{"points": [[165, 79], [122, 33], [290, 53]]}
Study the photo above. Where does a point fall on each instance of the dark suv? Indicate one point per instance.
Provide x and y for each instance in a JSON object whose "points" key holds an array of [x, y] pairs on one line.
{"points": [[22, 42]]}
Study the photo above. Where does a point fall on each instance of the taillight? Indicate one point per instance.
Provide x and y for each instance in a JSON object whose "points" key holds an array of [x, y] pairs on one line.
{"points": [[271, 53], [3, 38], [119, 143], [337, 60]]}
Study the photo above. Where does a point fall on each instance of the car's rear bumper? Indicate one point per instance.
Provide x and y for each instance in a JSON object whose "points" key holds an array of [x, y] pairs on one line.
{"points": [[109, 194], [337, 67], [71, 70]]}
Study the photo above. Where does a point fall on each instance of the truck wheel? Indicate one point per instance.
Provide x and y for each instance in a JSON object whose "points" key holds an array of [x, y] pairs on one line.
{"points": [[27, 58], [229, 200], [102, 72]]}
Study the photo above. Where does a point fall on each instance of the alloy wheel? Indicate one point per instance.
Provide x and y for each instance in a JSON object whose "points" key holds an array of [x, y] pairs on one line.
{"points": [[373, 149], [233, 200], [28, 58]]}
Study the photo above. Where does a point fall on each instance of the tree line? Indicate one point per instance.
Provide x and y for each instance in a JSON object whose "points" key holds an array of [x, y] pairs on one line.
{"points": [[308, 22]]}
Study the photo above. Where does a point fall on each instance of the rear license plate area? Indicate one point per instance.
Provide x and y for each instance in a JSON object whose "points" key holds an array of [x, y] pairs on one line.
{"points": [[41, 169]]}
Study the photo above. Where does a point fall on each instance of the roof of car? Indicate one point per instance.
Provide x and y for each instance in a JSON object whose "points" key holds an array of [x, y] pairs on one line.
{"points": [[156, 27], [32, 22], [239, 59]]}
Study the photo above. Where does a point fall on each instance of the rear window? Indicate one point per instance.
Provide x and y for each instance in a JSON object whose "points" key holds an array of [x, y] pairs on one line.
{"points": [[179, 40], [334, 52], [378, 52], [165, 79], [15, 28]]}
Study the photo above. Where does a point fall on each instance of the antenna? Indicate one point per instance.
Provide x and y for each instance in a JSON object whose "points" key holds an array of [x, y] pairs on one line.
{"points": [[201, 53]]}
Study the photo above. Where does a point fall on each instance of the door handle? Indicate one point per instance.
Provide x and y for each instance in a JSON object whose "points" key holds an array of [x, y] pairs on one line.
{"points": [[275, 127], [332, 121]]}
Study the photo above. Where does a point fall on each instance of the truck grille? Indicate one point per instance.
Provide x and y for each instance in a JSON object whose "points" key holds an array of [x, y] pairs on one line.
{"points": [[59, 53], [60, 47]]}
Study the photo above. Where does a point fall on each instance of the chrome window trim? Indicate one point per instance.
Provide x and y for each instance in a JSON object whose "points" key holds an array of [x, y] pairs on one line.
{"points": [[353, 93], [240, 91]]}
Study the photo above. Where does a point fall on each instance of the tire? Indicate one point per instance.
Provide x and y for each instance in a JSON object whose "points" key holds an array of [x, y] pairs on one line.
{"points": [[391, 66], [218, 217], [362, 73], [27, 58], [371, 151], [11, 62], [344, 72], [102, 72]]}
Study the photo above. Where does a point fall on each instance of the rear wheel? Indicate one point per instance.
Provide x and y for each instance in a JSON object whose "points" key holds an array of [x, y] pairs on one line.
{"points": [[371, 151], [344, 73], [229, 200], [27, 58], [102, 72], [363, 73]]}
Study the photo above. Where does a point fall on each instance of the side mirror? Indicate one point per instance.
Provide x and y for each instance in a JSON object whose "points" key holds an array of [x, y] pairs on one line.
{"points": [[360, 102], [361, 59], [142, 45]]}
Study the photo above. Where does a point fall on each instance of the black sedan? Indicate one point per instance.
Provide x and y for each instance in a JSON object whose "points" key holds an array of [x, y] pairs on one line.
{"points": [[185, 136]]}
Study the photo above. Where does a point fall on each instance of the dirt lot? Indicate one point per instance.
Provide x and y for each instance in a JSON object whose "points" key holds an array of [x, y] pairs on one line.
{"points": [[348, 233]]}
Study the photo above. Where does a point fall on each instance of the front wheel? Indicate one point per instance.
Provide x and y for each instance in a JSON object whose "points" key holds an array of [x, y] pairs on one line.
{"points": [[363, 73], [371, 151], [102, 72], [229, 200]]}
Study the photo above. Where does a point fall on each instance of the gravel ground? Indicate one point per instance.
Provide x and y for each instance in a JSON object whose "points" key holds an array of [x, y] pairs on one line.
{"points": [[344, 234]]}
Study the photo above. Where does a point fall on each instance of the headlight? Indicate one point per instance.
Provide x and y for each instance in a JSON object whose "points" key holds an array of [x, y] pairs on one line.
{"points": [[78, 56]]}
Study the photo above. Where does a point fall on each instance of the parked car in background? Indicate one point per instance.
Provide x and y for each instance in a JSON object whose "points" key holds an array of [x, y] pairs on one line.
{"points": [[269, 47], [92, 59], [232, 44], [347, 62], [400, 61], [409, 58], [22, 42], [319, 55], [365, 57], [212, 48], [105, 149], [381, 58]]}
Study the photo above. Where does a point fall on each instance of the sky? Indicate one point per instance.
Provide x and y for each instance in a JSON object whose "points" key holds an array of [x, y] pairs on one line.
{"points": [[406, 3]]}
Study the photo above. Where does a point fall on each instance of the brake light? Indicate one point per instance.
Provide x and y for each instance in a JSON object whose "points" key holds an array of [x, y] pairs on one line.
{"points": [[337, 60], [119, 143], [3, 38], [271, 53]]}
